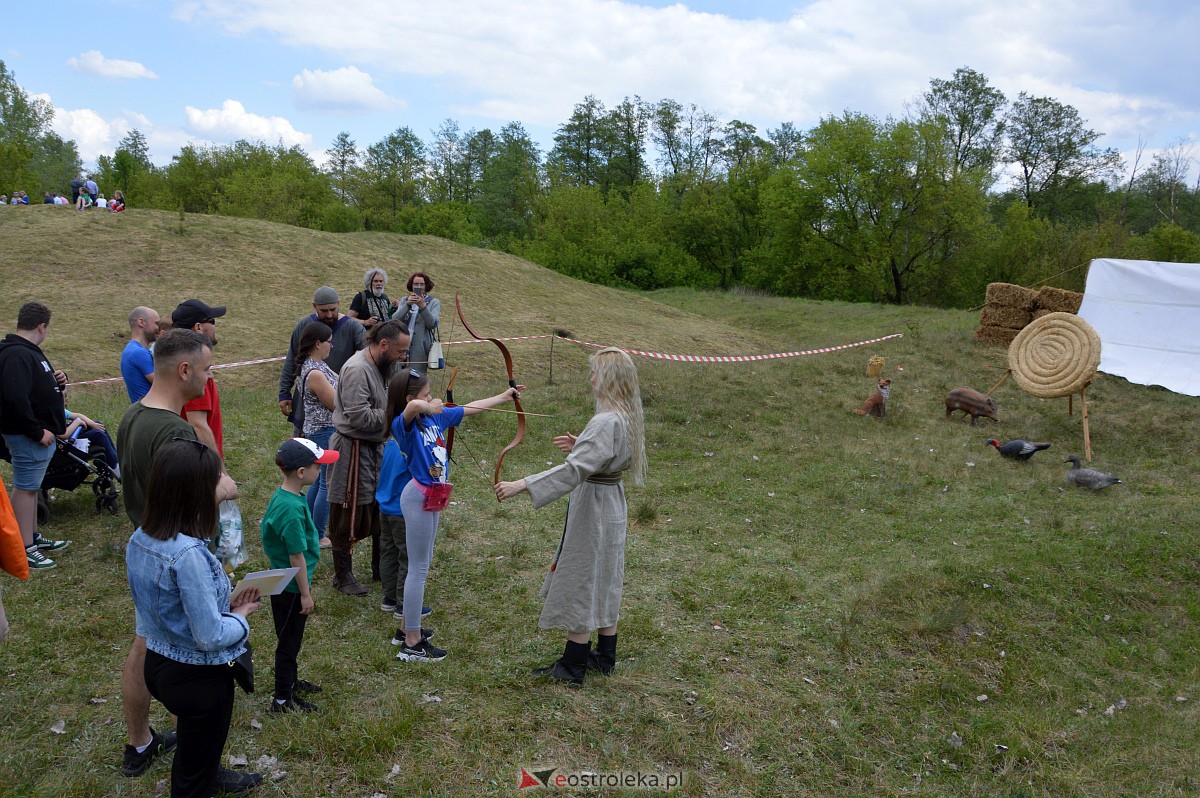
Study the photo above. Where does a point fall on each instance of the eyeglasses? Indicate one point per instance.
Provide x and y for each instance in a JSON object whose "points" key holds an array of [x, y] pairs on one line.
{"points": [[208, 321]]}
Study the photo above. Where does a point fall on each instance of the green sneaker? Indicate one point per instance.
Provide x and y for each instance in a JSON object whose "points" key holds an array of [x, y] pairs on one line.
{"points": [[37, 560], [46, 544]]}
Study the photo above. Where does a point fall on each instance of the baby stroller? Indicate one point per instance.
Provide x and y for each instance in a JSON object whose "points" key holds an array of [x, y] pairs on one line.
{"points": [[71, 467]]}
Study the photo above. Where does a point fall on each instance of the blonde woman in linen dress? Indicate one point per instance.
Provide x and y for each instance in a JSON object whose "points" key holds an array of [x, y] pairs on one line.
{"points": [[583, 588]]}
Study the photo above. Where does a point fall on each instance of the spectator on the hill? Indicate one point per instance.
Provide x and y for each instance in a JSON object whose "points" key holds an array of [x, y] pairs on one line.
{"points": [[117, 203]]}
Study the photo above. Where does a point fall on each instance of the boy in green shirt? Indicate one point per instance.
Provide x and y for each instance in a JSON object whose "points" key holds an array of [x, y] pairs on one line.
{"points": [[290, 539]]}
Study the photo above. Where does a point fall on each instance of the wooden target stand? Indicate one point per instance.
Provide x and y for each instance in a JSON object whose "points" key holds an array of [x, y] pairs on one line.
{"points": [[1087, 435]]}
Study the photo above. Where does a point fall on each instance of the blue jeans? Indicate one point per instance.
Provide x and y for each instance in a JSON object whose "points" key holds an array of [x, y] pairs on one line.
{"points": [[318, 495]]}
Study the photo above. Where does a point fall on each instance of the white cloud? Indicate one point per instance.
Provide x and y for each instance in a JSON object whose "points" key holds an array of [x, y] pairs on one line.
{"points": [[93, 62], [345, 90], [534, 59], [232, 121], [93, 134]]}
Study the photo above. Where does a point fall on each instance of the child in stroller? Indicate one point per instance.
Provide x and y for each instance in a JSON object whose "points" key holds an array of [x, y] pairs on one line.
{"points": [[94, 462]]}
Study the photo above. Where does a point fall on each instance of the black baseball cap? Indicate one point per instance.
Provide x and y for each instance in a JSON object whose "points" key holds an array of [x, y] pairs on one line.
{"points": [[301, 452], [191, 312]]}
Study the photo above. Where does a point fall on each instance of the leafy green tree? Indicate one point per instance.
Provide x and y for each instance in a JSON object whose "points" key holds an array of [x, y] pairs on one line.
{"points": [[787, 144], [130, 169], [1055, 154], [580, 146], [447, 165], [628, 125], [479, 147], [55, 162], [253, 180], [509, 186], [1161, 193], [869, 213], [1167, 242], [31, 155], [971, 112], [687, 142], [343, 167], [392, 177]]}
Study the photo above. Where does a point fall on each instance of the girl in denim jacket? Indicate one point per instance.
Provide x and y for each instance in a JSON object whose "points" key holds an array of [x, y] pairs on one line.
{"points": [[181, 598]]}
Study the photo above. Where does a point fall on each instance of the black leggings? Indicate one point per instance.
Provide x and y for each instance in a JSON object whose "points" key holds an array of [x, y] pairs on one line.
{"points": [[202, 697]]}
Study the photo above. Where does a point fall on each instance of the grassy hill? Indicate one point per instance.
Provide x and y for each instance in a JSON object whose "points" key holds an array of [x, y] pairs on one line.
{"points": [[817, 603]]}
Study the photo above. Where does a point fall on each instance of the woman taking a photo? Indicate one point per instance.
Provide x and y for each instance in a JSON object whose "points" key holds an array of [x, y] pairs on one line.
{"points": [[181, 596], [318, 386], [420, 314], [583, 588]]}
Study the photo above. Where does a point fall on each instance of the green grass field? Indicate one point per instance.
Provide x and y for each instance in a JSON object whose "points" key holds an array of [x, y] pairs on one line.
{"points": [[817, 603]]}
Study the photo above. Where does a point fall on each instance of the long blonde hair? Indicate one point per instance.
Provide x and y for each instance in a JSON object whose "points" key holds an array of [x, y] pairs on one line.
{"points": [[616, 390]]}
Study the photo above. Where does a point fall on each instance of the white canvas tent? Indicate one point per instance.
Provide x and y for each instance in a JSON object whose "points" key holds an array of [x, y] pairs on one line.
{"points": [[1147, 315]]}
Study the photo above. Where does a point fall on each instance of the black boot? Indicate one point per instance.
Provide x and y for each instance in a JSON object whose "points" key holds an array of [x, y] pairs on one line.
{"points": [[343, 575], [571, 667], [604, 658]]}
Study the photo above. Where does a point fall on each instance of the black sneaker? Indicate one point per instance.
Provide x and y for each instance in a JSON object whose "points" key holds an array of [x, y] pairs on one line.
{"points": [[399, 613], [293, 704], [423, 651], [388, 605], [46, 544], [232, 784], [305, 686], [136, 764], [398, 640]]}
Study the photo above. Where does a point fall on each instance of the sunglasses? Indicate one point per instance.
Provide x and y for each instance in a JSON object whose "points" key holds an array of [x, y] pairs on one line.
{"points": [[201, 448]]}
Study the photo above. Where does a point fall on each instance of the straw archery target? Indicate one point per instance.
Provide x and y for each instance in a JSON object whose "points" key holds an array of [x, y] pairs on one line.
{"points": [[1056, 355]]}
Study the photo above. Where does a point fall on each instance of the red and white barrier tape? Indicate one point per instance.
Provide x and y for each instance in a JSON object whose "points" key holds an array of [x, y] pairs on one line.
{"points": [[741, 358], [637, 352]]}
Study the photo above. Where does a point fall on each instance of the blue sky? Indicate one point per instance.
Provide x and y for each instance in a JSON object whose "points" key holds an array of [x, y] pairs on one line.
{"points": [[301, 71]]}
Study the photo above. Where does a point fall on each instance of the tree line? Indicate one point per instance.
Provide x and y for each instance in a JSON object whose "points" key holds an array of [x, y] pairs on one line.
{"points": [[965, 187]]}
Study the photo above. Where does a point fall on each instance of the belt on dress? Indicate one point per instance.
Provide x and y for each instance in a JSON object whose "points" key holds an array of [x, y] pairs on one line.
{"points": [[611, 478]]}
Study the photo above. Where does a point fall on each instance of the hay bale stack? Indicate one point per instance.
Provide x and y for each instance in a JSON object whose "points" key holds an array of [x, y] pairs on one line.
{"points": [[1006, 311], [1004, 316], [1010, 296], [1000, 336], [1058, 300]]}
